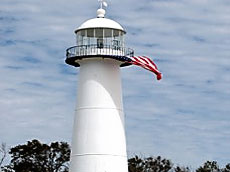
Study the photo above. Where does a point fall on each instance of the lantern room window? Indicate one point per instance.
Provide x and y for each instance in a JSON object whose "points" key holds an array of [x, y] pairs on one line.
{"points": [[101, 37]]}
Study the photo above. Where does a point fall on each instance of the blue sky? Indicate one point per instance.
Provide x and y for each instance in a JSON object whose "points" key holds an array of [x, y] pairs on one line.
{"points": [[185, 117]]}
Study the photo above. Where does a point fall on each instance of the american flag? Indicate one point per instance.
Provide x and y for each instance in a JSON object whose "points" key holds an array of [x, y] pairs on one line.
{"points": [[146, 63], [141, 61]]}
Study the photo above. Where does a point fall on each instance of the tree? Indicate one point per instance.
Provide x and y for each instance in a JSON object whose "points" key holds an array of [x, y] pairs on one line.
{"points": [[3, 153], [136, 164], [149, 164], [182, 169], [226, 169], [209, 166], [37, 157]]}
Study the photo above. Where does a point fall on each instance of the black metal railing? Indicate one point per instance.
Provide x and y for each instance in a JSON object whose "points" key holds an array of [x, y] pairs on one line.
{"points": [[98, 49]]}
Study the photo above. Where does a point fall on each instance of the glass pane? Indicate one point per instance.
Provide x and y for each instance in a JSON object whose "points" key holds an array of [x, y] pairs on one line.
{"points": [[79, 40], [93, 41], [116, 43], [107, 32], [90, 32], [108, 41], [100, 43], [85, 41], [122, 40], [80, 35], [99, 33], [81, 32], [115, 33]]}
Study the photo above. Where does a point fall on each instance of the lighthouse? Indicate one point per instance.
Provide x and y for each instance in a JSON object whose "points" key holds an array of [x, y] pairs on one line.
{"points": [[98, 141]]}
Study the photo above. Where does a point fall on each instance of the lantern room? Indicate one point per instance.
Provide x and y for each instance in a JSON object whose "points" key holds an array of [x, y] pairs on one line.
{"points": [[98, 37], [101, 32]]}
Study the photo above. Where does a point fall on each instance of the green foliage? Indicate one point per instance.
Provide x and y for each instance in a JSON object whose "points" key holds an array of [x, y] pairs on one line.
{"points": [[136, 164], [182, 169], [209, 166], [227, 168], [3, 153], [37, 157], [149, 164]]}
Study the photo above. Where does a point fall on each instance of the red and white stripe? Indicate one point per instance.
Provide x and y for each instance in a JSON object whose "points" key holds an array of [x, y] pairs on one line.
{"points": [[146, 63]]}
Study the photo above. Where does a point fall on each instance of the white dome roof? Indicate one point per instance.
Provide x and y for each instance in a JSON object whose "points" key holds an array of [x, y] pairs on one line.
{"points": [[100, 23]]}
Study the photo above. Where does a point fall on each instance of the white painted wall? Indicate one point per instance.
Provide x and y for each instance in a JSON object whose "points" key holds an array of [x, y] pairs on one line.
{"points": [[99, 143]]}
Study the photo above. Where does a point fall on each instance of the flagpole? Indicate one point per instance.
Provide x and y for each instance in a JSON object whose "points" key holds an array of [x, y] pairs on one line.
{"points": [[101, 3]]}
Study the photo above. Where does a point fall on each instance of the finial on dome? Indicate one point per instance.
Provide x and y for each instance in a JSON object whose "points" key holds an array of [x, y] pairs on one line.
{"points": [[101, 12]]}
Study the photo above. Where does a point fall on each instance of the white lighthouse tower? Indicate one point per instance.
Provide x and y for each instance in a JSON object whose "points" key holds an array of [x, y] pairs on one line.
{"points": [[99, 142]]}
